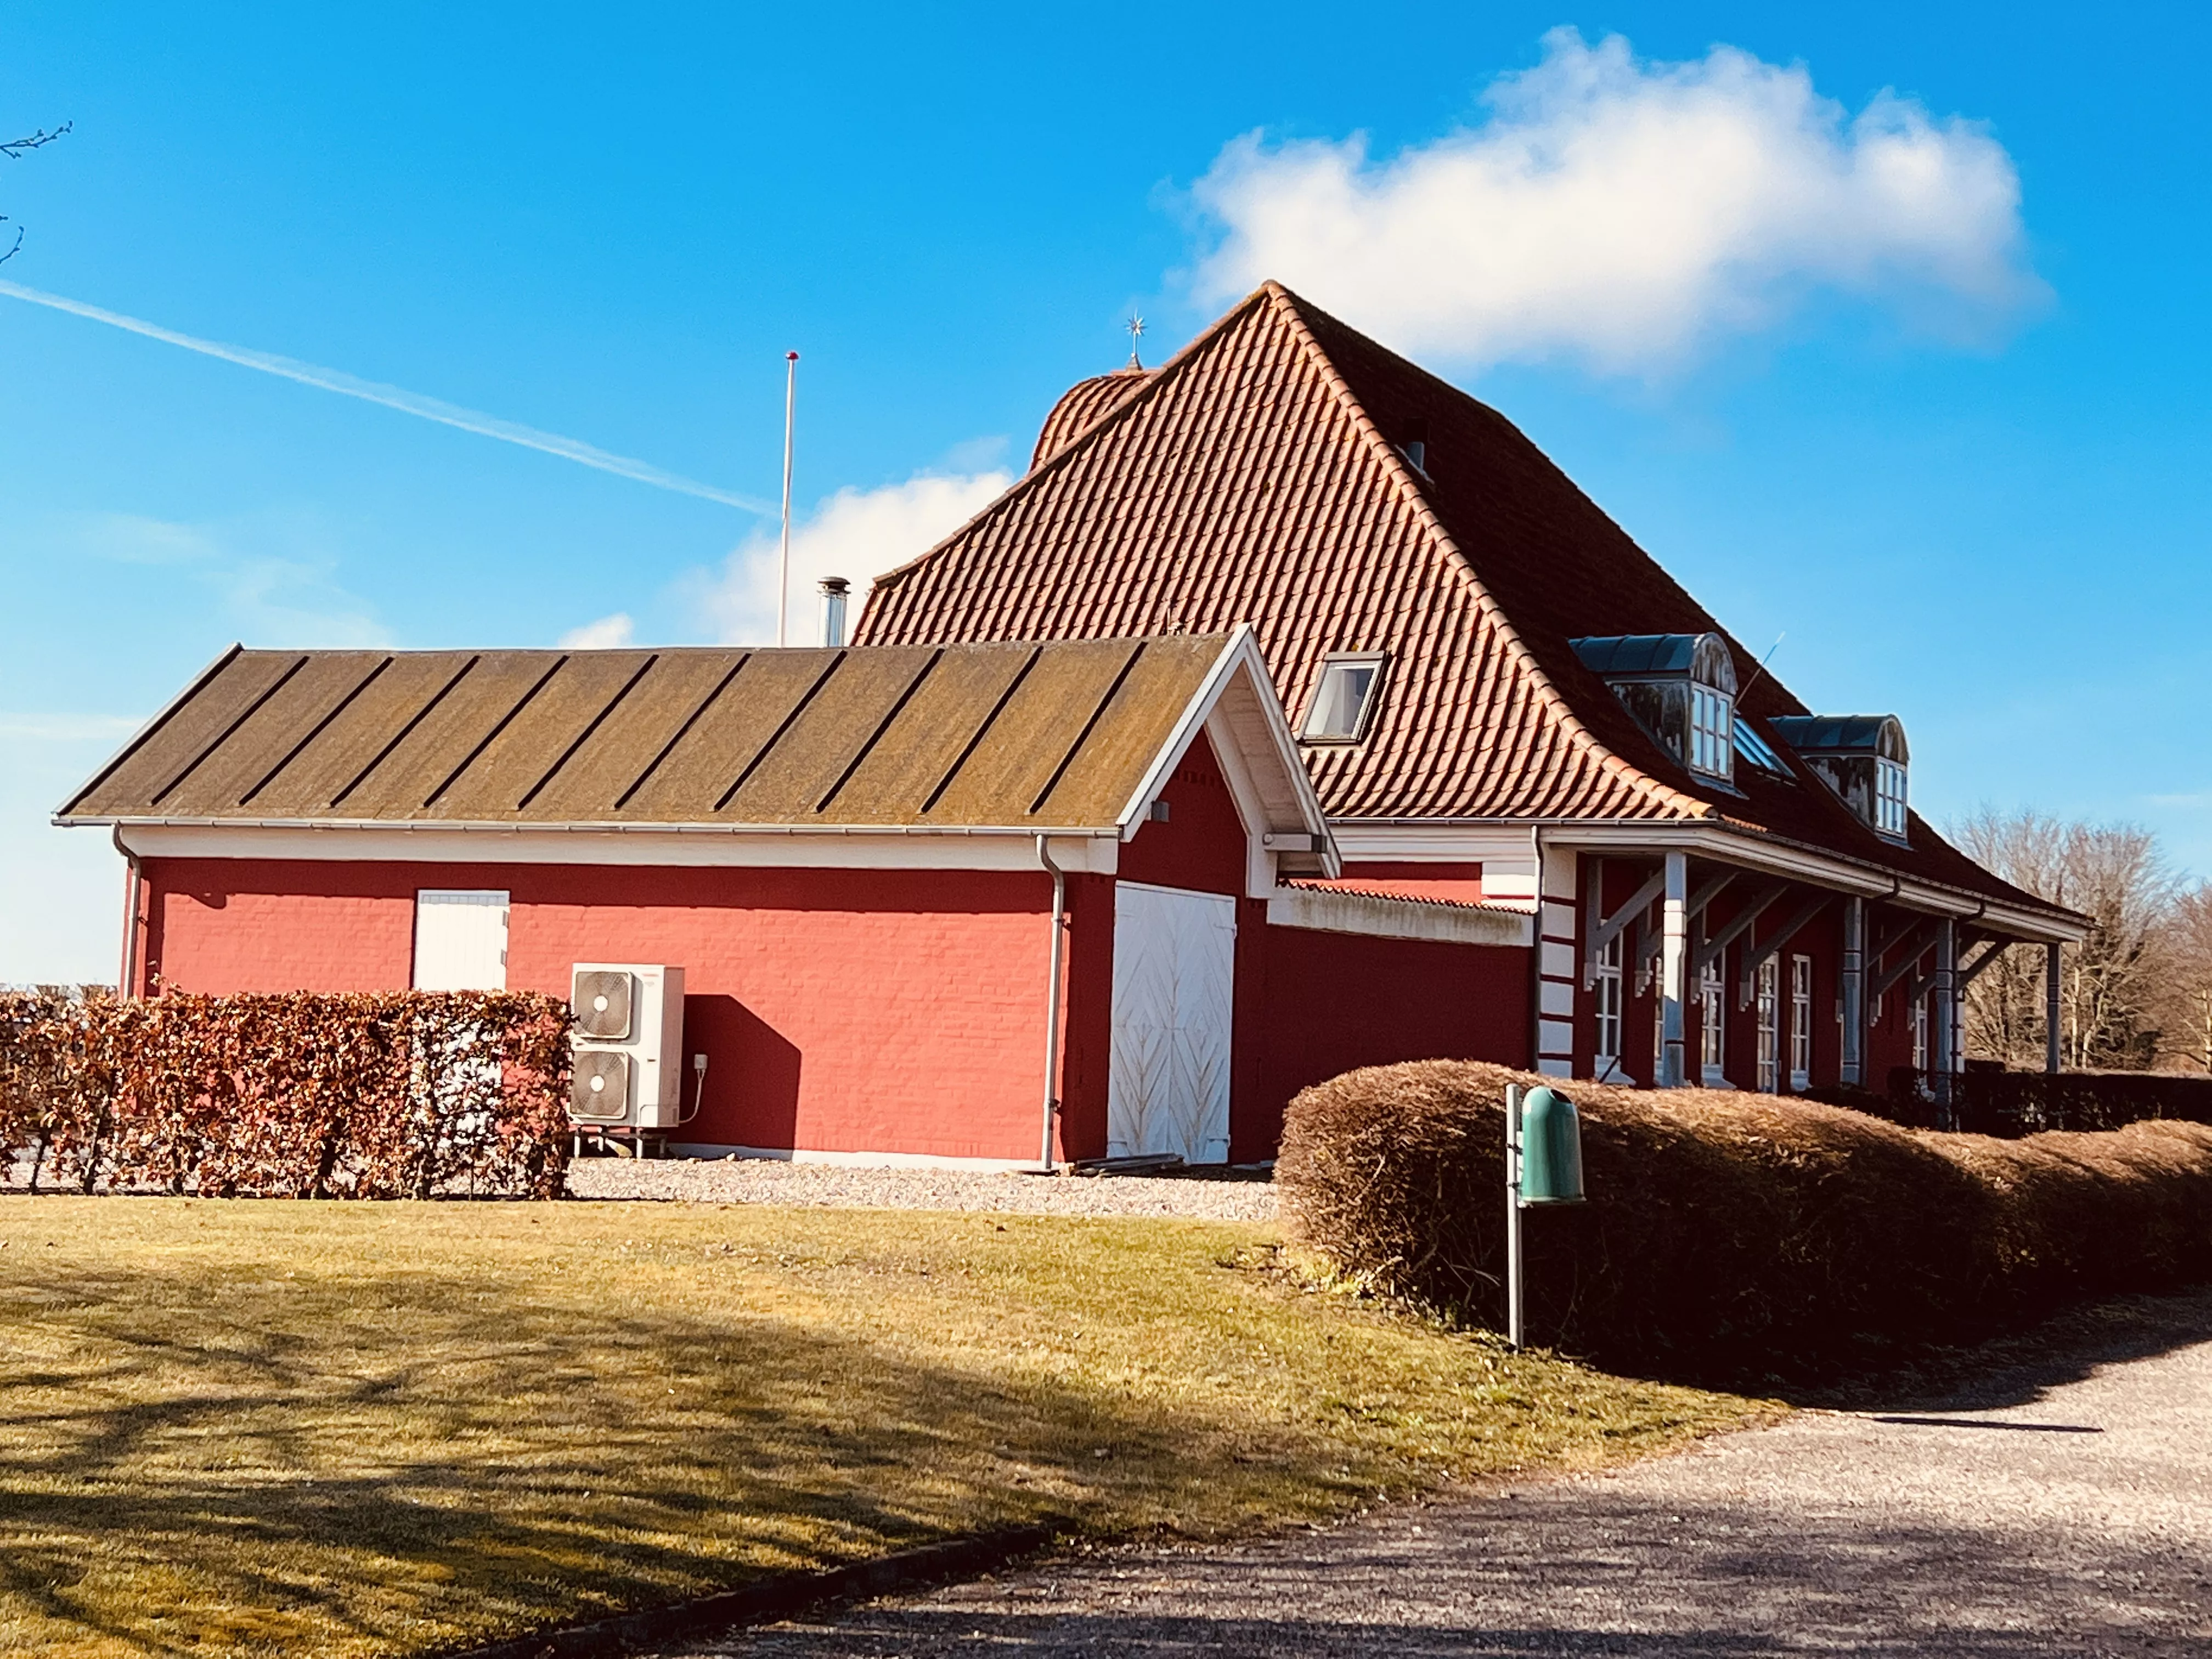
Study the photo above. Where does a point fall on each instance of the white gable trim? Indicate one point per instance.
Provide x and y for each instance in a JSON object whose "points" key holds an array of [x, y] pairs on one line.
{"points": [[1236, 707]]}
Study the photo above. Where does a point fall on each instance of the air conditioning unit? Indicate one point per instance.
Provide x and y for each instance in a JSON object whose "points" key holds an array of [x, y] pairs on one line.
{"points": [[628, 1042]]}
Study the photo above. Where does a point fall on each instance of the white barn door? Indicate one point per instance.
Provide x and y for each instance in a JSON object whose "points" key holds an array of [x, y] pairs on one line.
{"points": [[1175, 969], [460, 940]]}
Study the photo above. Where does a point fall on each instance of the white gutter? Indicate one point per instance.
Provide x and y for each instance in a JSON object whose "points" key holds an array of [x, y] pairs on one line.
{"points": [[502, 826]]}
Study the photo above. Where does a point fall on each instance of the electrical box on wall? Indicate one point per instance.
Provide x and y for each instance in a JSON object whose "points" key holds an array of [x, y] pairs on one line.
{"points": [[628, 1039]]}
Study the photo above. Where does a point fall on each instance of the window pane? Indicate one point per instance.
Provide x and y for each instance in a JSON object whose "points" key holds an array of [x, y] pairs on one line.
{"points": [[1340, 702]]}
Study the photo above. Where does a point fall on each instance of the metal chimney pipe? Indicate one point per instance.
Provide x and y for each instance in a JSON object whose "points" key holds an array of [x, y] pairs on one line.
{"points": [[834, 590]]}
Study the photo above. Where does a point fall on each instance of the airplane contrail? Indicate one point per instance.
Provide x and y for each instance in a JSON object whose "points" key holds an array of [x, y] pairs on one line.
{"points": [[393, 396]]}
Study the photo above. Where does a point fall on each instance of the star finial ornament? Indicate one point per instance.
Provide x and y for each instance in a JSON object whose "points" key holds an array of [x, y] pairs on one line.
{"points": [[1136, 327]]}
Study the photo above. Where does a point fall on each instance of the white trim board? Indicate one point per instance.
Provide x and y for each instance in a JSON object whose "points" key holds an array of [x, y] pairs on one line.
{"points": [[1507, 844], [1096, 854]]}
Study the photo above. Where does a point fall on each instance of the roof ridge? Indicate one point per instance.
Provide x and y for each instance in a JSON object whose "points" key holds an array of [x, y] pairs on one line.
{"points": [[1289, 306], [1155, 379]]}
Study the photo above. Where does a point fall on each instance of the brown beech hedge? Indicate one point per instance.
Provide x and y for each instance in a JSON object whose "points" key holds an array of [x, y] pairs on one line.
{"points": [[1734, 1237], [400, 1094]]}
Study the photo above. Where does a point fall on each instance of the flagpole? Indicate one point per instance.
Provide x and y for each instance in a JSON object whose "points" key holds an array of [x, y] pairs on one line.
{"points": [[783, 559]]}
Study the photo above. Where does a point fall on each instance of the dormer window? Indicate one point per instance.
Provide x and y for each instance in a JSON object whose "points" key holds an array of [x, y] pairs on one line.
{"points": [[1682, 689], [1712, 732], [1862, 758], [1344, 699], [1889, 797]]}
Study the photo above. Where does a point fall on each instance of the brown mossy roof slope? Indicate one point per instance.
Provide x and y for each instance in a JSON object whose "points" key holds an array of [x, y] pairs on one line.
{"points": [[1257, 478], [1045, 737]]}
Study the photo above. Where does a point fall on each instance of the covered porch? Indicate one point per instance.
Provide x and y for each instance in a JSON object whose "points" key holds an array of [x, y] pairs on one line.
{"points": [[1697, 957]]}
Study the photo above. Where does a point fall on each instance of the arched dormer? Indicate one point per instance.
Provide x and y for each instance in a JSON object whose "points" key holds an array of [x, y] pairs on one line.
{"points": [[1682, 689], [1862, 758]]}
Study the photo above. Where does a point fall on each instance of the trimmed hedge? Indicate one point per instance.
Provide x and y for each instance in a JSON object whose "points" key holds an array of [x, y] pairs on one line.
{"points": [[378, 1094], [1731, 1236], [2010, 1105]]}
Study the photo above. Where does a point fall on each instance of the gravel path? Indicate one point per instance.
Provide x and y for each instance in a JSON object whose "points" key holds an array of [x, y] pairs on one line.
{"points": [[768, 1180], [2062, 1507]]}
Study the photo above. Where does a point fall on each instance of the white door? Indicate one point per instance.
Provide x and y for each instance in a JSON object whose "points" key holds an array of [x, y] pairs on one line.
{"points": [[1175, 967], [460, 940]]}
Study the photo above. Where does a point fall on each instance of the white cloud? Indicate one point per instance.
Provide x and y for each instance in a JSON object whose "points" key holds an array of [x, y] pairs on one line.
{"points": [[857, 534], [1621, 212], [274, 577], [607, 634]]}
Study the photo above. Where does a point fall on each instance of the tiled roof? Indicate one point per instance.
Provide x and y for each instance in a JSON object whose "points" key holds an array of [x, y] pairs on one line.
{"points": [[1258, 477], [1044, 737], [1396, 896], [1081, 406]]}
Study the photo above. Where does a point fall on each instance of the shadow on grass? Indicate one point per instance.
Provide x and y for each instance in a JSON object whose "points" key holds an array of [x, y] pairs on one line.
{"points": [[247, 1467]]}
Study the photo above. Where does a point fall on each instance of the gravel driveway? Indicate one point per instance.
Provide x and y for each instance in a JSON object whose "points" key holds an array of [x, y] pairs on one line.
{"points": [[1227, 1197], [2061, 1506]]}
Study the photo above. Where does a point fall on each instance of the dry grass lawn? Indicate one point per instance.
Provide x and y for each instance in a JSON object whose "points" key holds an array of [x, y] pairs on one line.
{"points": [[234, 1428]]}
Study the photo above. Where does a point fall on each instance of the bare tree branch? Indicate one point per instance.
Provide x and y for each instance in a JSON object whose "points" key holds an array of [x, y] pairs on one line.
{"points": [[14, 149], [38, 139]]}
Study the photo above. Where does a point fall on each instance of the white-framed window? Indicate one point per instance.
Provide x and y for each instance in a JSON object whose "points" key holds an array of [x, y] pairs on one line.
{"points": [[1801, 1023], [1712, 732], [1920, 1033], [1606, 986], [1889, 797], [1344, 698], [1712, 1030], [1767, 997]]}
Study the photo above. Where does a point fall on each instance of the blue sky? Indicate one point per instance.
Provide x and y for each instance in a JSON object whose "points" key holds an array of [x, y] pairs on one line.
{"points": [[1954, 445]]}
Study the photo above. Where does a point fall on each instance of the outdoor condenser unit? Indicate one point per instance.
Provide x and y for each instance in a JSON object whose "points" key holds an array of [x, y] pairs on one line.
{"points": [[628, 1039]]}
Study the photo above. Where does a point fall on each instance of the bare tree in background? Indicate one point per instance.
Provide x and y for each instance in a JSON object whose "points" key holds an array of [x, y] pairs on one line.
{"points": [[2187, 1009], [2117, 983], [14, 149]]}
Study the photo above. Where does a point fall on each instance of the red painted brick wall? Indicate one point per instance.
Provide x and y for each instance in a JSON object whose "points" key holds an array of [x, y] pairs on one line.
{"points": [[1335, 1001], [841, 1010], [875, 1011]]}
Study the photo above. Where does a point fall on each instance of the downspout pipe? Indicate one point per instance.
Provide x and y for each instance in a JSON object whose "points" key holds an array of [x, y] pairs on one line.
{"points": [[1052, 995], [126, 988]]}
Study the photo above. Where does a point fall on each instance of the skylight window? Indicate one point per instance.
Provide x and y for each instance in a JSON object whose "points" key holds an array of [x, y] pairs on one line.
{"points": [[1753, 748], [1344, 702]]}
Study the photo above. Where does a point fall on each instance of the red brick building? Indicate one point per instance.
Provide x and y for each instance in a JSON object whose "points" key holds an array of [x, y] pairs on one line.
{"points": [[927, 901], [1042, 862]]}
